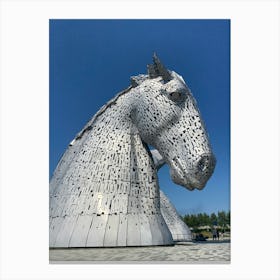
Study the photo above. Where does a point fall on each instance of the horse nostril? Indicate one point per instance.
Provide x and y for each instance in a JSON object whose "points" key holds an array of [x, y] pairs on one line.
{"points": [[205, 162], [202, 164]]}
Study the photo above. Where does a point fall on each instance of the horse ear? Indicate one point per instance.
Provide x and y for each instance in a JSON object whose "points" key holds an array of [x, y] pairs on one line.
{"points": [[152, 71], [158, 69], [138, 80]]}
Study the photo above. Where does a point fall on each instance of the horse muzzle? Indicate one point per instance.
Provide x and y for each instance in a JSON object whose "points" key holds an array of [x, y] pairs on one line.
{"points": [[195, 176]]}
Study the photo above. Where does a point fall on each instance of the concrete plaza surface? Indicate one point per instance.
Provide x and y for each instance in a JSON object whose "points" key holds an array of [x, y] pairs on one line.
{"points": [[183, 252]]}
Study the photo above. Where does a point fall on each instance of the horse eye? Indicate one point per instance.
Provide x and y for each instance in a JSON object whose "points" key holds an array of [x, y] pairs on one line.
{"points": [[175, 96]]}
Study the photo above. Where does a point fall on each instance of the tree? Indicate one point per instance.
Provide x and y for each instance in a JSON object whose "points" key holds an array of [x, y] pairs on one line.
{"points": [[191, 220], [206, 220], [213, 219], [228, 217], [202, 219], [222, 218]]}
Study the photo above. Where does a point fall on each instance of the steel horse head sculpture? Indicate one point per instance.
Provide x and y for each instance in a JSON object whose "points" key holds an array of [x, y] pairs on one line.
{"points": [[104, 191]]}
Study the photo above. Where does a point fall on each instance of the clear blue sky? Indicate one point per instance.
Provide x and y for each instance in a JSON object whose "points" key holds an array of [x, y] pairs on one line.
{"points": [[92, 60]]}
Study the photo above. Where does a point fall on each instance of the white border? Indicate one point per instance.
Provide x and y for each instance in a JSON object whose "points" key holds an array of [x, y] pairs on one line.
{"points": [[254, 137]]}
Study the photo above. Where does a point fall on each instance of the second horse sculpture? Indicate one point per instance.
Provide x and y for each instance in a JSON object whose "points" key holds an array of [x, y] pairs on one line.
{"points": [[104, 191], [179, 230]]}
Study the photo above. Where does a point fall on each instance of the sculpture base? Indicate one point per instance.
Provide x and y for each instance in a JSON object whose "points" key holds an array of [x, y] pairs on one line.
{"points": [[120, 230]]}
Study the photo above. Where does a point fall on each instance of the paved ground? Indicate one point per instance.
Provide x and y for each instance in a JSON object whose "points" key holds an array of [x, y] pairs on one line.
{"points": [[184, 252]]}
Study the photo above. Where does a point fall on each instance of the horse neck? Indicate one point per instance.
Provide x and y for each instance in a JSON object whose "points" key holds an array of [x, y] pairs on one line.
{"points": [[122, 170], [111, 170]]}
